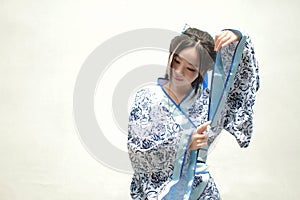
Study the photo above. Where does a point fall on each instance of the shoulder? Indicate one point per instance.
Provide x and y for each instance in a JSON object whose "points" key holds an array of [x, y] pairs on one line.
{"points": [[147, 90], [147, 93]]}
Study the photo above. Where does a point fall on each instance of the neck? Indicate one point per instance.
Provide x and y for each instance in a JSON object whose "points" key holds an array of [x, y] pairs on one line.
{"points": [[177, 92]]}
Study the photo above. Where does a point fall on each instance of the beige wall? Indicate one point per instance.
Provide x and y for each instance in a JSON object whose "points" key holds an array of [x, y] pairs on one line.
{"points": [[42, 47]]}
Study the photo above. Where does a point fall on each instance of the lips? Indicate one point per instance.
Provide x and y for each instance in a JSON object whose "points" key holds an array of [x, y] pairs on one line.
{"points": [[178, 78]]}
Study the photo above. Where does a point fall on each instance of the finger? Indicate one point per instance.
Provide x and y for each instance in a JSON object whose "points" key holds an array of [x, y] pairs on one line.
{"points": [[201, 136], [218, 39], [203, 127], [196, 145], [220, 36], [221, 41], [232, 38], [201, 141], [201, 144]]}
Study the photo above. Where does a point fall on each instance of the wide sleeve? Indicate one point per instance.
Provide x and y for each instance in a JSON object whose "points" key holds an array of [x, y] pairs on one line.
{"points": [[149, 142], [238, 110]]}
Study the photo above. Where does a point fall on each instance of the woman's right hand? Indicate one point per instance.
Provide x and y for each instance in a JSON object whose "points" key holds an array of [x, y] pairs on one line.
{"points": [[225, 38], [199, 138]]}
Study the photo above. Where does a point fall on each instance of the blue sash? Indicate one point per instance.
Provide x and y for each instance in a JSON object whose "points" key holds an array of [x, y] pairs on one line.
{"points": [[222, 82], [181, 185]]}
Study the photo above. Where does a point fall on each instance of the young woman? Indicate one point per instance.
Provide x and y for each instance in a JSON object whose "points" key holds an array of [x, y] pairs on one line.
{"points": [[168, 137]]}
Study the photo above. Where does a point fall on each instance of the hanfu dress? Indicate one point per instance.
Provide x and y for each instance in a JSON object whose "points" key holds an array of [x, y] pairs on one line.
{"points": [[159, 132]]}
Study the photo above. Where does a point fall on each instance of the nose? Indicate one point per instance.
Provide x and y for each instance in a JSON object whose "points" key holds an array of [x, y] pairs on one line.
{"points": [[179, 69]]}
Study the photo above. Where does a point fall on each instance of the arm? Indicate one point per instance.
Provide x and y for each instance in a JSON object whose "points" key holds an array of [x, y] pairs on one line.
{"points": [[149, 144], [238, 112]]}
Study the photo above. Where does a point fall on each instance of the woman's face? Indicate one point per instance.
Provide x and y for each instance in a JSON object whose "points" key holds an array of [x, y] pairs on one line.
{"points": [[185, 67]]}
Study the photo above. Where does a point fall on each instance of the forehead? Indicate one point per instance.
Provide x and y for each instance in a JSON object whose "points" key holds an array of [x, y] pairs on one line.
{"points": [[190, 54]]}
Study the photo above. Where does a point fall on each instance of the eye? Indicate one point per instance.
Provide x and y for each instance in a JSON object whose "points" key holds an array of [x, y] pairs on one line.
{"points": [[176, 60], [191, 69]]}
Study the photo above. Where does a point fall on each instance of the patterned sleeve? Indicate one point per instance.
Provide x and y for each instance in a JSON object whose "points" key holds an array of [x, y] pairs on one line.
{"points": [[238, 111], [148, 142]]}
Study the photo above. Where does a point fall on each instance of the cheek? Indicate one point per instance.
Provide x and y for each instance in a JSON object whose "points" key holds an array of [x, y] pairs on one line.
{"points": [[193, 76]]}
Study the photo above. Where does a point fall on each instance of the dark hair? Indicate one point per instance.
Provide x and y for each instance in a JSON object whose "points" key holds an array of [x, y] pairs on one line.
{"points": [[192, 37], [206, 40]]}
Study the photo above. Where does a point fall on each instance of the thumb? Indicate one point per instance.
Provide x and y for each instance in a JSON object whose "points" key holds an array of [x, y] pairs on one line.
{"points": [[203, 127]]}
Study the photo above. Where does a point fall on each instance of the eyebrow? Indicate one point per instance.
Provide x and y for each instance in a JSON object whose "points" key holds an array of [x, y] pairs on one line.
{"points": [[177, 55]]}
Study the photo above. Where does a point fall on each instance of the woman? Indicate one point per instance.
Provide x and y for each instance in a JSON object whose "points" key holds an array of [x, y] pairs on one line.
{"points": [[167, 133]]}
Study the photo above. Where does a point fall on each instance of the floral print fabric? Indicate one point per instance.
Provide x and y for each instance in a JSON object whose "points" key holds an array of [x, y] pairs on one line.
{"points": [[156, 125]]}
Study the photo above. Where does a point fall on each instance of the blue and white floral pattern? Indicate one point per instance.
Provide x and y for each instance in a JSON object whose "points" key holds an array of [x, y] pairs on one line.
{"points": [[156, 125]]}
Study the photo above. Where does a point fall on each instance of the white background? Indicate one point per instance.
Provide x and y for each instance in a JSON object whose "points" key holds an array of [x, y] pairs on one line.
{"points": [[42, 47]]}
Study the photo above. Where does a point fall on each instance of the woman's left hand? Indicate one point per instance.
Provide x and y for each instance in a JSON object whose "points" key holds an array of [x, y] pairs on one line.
{"points": [[225, 38], [199, 138]]}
